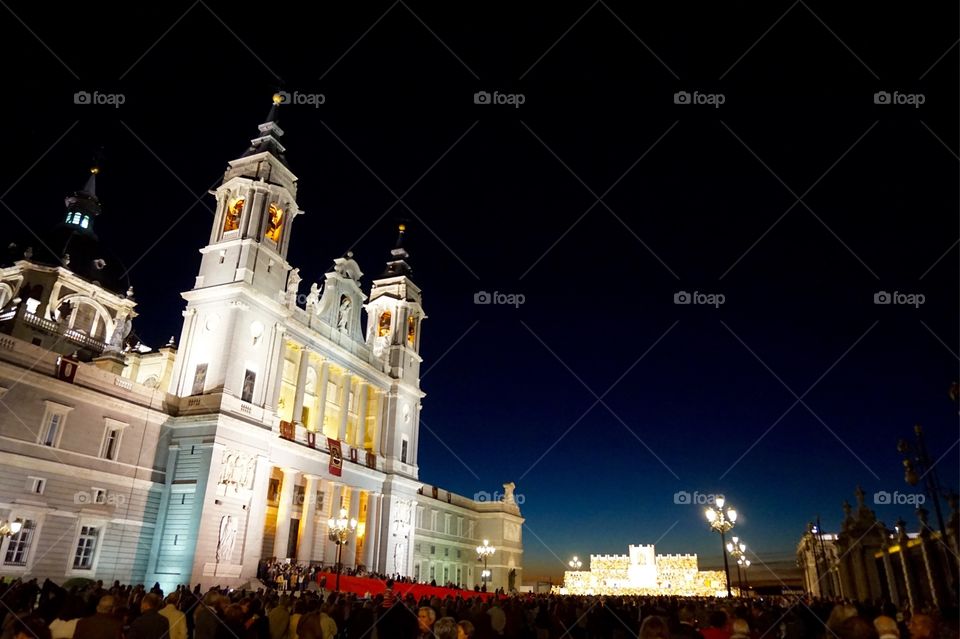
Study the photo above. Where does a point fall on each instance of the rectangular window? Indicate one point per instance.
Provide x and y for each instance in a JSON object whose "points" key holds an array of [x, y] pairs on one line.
{"points": [[199, 379], [273, 489], [18, 548], [403, 450], [446, 523], [433, 520], [459, 526], [51, 431], [298, 495], [433, 572], [416, 572], [433, 550], [319, 499], [458, 557], [446, 574], [99, 495], [420, 517], [110, 447], [249, 381], [86, 546], [36, 485], [446, 552]]}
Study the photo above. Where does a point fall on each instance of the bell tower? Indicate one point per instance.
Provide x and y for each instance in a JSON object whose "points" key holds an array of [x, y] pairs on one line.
{"points": [[252, 225], [394, 317], [234, 321]]}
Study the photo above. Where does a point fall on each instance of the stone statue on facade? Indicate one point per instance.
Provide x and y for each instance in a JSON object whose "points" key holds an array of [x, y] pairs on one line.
{"points": [[228, 538], [313, 298]]}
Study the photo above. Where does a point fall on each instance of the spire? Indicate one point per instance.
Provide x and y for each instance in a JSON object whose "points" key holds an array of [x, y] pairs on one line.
{"points": [[83, 206], [397, 264], [270, 133]]}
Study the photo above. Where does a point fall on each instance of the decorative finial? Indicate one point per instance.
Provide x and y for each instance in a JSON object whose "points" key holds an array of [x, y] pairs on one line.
{"points": [[350, 254], [130, 291]]}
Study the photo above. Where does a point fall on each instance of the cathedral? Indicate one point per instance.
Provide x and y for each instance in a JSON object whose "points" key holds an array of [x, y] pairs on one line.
{"points": [[275, 411]]}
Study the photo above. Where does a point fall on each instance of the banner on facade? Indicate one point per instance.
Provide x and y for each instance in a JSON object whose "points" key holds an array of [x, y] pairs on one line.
{"points": [[336, 456], [67, 369], [371, 460]]}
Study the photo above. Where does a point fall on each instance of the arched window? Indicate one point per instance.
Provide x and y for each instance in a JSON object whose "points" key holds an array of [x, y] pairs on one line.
{"points": [[383, 325], [231, 221], [274, 222]]}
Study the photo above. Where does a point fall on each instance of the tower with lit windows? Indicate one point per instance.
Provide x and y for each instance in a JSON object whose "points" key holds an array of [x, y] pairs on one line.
{"points": [[236, 308]]}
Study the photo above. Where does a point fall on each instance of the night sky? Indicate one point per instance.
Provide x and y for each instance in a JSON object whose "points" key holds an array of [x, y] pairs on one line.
{"points": [[597, 200]]}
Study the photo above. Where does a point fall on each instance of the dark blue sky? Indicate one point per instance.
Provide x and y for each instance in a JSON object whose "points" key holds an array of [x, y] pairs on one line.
{"points": [[506, 199]]}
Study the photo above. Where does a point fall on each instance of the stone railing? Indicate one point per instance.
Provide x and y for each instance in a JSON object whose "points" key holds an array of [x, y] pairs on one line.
{"points": [[71, 334]]}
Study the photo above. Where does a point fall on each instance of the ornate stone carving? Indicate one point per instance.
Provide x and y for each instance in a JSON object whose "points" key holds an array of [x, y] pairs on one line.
{"points": [[238, 470]]}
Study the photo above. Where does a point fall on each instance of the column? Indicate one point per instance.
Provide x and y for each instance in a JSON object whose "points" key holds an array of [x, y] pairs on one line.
{"points": [[307, 528], [290, 476], [297, 417], [276, 369], [256, 518], [907, 577], [329, 547], [349, 556], [370, 529], [360, 430], [891, 578], [378, 421], [344, 406], [322, 395]]}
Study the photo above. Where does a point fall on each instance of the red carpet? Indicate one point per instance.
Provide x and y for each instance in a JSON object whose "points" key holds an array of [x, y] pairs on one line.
{"points": [[363, 585]]}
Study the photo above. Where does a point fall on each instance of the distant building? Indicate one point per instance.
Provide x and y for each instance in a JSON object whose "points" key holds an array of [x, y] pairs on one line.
{"points": [[866, 560], [642, 572], [233, 445]]}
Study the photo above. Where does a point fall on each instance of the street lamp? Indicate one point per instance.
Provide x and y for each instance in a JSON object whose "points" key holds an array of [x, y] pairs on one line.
{"points": [[737, 548], [744, 563], [9, 528], [575, 563], [917, 467], [340, 530], [722, 520], [484, 551]]}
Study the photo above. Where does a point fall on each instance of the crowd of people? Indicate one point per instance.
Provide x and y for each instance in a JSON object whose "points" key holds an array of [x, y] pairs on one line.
{"points": [[96, 611], [287, 575]]}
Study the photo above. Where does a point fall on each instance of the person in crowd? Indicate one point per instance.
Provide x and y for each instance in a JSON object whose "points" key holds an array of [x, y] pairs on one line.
{"points": [[30, 627], [740, 629], [318, 624], [150, 624], [687, 628], [103, 624], [465, 629], [299, 609], [206, 624], [426, 616], [717, 626], [176, 619], [922, 626], [886, 627], [65, 624], [654, 627], [279, 617], [445, 628]]}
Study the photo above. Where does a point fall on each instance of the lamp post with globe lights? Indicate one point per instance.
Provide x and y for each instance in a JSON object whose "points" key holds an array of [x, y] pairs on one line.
{"points": [[721, 520], [744, 563], [737, 548], [575, 563], [484, 551], [10, 528], [339, 531]]}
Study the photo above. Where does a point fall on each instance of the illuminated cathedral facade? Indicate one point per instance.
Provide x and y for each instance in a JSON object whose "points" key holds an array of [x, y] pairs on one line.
{"points": [[278, 406]]}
